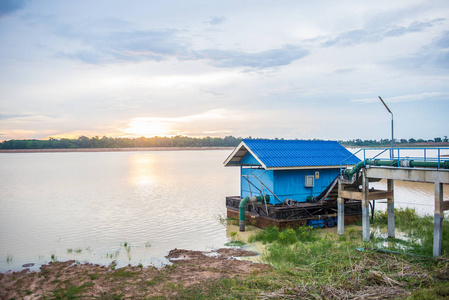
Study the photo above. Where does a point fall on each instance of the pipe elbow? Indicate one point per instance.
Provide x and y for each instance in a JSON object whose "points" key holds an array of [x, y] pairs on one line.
{"points": [[243, 202]]}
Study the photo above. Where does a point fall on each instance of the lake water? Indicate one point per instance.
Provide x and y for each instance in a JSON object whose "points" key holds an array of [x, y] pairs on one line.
{"points": [[132, 207], [86, 206]]}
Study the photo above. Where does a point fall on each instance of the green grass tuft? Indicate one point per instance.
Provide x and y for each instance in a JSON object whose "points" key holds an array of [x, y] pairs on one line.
{"points": [[287, 236], [123, 273], [71, 291], [235, 243]]}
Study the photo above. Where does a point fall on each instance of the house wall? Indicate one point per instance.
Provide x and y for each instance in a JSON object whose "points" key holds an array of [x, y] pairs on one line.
{"points": [[286, 184], [290, 184], [250, 168], [250, 190]]}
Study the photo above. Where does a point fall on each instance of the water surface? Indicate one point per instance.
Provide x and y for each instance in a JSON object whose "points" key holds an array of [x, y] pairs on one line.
{"points": [[88, 206]]}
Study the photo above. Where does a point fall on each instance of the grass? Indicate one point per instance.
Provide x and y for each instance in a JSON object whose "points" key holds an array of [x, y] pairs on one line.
{"points": [[235, 240], [71, 291], [287, 236], [235, 244], [227, 221], [311, 264], [417, 233], [438, 291], [123, 273]]}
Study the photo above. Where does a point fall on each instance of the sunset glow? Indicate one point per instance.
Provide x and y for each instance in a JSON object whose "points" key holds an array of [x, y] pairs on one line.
{"points": [[148, 128]]}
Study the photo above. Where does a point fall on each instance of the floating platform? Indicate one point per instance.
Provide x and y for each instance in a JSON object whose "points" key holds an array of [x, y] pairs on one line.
{"points": [[298, 214]]}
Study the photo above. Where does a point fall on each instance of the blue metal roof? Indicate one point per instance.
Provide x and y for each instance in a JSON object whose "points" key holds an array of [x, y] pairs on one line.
{"points": [[293, 153]]}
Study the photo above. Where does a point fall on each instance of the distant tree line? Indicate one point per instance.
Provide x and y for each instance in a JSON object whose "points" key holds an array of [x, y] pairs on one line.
{"points": [[387, 142], [108, 142], [175, 141]]}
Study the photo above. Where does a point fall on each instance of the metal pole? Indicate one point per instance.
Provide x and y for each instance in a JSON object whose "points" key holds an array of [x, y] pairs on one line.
{"points": [[392, 132]]}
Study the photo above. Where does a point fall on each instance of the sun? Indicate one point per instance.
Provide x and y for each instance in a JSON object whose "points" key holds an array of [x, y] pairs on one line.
{"points": [[147, 127]]}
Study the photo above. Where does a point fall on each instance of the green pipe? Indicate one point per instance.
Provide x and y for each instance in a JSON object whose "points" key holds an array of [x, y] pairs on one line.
{"points": [[242, 206], [350, 172], [387, 163], [396, 163], [430, 164]]}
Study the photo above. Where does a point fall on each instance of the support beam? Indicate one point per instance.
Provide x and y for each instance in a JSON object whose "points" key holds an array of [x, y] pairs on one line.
{"points": [[365, 208], [408, 174], [390, 209], [438, 219], [341, 216]]}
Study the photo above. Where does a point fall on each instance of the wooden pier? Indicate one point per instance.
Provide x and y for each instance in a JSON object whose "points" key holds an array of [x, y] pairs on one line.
{"points": [[346, 191]]}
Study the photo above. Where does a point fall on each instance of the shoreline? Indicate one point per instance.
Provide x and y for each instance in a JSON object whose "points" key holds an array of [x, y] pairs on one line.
{"points": [[113, 149], [188, 269]]}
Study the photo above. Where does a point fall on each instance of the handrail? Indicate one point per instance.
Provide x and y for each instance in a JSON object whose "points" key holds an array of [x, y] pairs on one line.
{"points": [[397, 158]]}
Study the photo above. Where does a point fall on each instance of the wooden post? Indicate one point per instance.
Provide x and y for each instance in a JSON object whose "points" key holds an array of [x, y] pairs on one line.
{"points": [[341, 216], [390, 209], [365, 208], [438, 219]]}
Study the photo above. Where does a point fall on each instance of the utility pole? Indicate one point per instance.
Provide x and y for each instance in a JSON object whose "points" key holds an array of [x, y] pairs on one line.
{"points": [[392, 134]]}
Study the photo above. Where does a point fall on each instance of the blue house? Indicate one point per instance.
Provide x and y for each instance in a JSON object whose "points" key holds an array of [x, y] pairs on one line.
{"points": [[287, 170]]}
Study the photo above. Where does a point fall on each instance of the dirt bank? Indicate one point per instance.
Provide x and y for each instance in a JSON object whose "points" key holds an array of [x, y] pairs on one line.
{"points": [[67, 279]]}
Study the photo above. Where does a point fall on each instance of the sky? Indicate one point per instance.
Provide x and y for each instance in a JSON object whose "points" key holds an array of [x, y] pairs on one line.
{"points": [[286, 69]]}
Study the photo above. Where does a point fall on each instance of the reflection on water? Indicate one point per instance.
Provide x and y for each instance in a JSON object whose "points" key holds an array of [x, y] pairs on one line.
{"points": [[132, 207]]}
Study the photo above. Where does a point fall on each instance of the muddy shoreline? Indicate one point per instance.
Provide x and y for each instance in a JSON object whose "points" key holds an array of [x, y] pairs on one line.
{"points": [[113, 149], [189, 268]]}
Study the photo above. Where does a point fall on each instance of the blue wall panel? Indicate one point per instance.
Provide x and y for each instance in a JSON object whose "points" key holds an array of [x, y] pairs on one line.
{"points": [[248, 159], [266, 178], [291, 183], [286, 184]]}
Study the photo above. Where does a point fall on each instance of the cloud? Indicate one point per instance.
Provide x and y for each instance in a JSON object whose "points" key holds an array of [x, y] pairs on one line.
{"points": [[443, 41], [359, 36], [430, 58], [119, 46], [215, 20], [159, 45], [9, 6], [406, 98], [264, 59], [13, 116]]}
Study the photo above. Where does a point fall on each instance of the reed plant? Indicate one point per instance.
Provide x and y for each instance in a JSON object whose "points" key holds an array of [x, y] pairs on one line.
{"points": [[235, 240], [415, 233]]}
